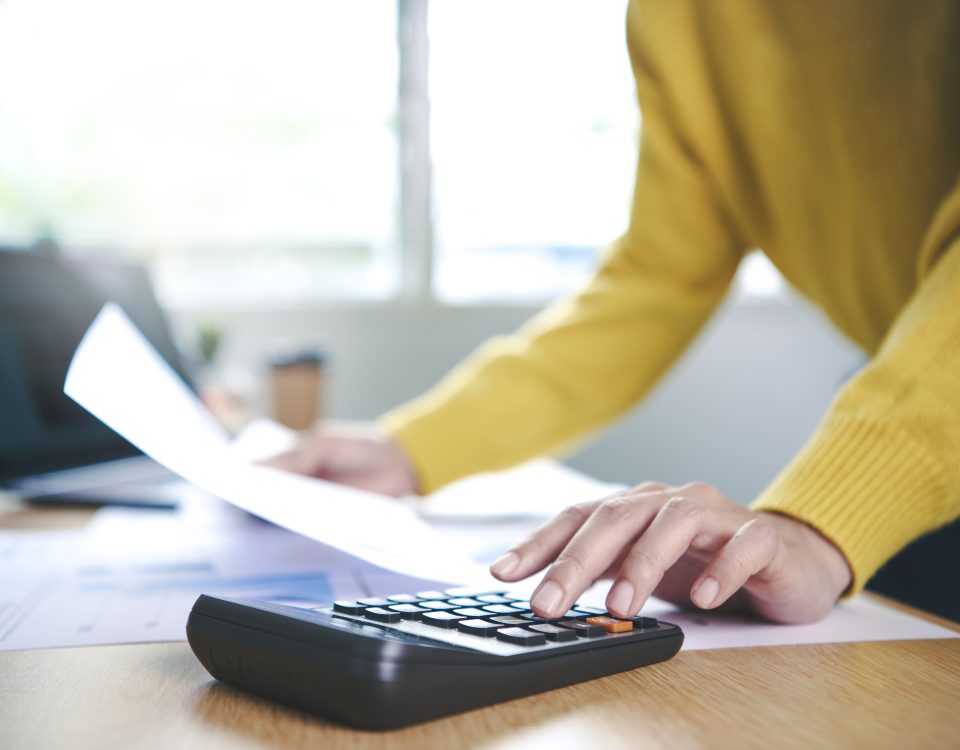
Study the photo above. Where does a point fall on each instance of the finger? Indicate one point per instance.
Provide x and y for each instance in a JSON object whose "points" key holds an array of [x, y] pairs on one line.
{"points": [[681, 523], [545, 544], [287, 461], [704, 492], [754, 548], [542, 546], [308, 458], [600, 540]]}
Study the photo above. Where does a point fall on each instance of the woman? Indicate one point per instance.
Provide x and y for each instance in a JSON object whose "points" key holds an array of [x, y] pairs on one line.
{"points": [[827, 134]]}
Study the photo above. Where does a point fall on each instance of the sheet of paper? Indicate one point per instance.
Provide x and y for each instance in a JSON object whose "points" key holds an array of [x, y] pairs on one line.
{"points": [[537, 489], [860, 619], [133, 575], [117, 376], [262, 438]]}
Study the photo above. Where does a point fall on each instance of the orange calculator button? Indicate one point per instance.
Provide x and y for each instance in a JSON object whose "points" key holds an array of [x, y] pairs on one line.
{"points": [[610, 624]]}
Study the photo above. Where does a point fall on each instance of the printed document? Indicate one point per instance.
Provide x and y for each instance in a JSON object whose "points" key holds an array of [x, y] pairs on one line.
{"points": [[117, 376]]}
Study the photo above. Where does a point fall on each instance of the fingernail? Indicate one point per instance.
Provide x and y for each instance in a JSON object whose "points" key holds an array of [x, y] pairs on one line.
{"points": [[621, 597], [706, 592], [547, 598], [505, 564]]}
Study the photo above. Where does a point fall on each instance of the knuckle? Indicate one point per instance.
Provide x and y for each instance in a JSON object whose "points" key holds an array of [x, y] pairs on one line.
{"points": [[532, 545], [616, 510], [568, 566], [577, 514], [735, 563], [702, 490], [645, 564], [762, 531], [683, 509], [649, 486]]}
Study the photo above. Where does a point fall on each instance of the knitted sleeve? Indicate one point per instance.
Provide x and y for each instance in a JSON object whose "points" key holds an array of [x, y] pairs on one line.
{"points": [[883, 467], [588, 358]]}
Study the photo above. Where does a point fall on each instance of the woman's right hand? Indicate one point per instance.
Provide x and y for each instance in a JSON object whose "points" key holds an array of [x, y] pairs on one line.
{"points": [[357, 454]]}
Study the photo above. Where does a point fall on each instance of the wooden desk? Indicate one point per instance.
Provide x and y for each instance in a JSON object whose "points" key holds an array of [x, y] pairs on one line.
{"points": [[860, 695]]}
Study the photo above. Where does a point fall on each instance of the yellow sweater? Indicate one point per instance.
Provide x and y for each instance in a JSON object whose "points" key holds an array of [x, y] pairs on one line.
{"points": [[826, 133]]}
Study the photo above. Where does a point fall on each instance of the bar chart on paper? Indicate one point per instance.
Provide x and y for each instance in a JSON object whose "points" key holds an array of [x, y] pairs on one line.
{"points": [[133, 576]]}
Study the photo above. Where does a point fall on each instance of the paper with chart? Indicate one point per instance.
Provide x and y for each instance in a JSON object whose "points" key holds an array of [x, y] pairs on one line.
{"points": [[133, 575], [117, 376]]}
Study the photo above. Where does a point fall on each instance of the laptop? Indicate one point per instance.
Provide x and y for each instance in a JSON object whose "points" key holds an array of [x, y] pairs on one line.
{"points": [[51, 449]]}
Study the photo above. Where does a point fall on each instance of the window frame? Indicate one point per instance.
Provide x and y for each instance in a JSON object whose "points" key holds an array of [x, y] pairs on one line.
{"points": [[415, 257]]}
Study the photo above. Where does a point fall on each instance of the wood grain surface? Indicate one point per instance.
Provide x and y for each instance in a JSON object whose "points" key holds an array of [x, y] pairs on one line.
{"points": [[869, 695], [857, 695]]}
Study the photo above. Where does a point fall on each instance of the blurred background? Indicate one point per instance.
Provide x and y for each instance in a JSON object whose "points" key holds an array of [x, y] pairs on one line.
{"points": [[388, 182]]}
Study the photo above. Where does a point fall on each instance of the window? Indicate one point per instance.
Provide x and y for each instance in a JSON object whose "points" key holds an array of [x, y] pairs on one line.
{"points": [[286, 152], [533, 134], [247, 149]]}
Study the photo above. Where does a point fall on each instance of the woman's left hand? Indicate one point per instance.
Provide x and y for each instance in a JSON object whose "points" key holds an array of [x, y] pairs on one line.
{"points": [[683, 544]]}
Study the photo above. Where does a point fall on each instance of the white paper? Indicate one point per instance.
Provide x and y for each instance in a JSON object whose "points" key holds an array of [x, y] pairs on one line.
{"points": [[860, 619], [117, 376], [132, 576], [262, 438], [537, 489]]}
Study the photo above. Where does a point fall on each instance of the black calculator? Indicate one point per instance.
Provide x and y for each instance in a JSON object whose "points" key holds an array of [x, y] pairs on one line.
{"points": [[381, 663]]}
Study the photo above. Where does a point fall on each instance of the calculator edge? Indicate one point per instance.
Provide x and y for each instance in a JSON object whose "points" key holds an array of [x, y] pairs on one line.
{"points": [[247, 645]]}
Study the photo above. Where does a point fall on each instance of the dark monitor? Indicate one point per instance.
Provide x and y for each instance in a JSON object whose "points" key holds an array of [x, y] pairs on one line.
{"points": [[46, 305]]}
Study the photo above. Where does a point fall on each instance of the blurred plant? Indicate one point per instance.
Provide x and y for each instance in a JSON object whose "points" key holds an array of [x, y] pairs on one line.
{"points": [[209, 341]]}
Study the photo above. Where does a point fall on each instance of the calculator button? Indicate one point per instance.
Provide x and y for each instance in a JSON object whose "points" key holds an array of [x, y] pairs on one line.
{"points": [[379, 614], [611, 624], [554, 632], [478, 627], [510, 620], [583, 629], [441, 619], [373, 601], [521, 636], [408, 611], [644, 622], [473, 591], [403, 599], [348, 608], [585, 610], [500, 609], [465, 601], [531, 617], [471, 612], [437, 605], [493, 599], [521, 606], [431, 595]]}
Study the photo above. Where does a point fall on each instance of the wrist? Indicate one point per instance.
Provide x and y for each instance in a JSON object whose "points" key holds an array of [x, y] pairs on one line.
{"points": [[830, 562], [404, 466]]}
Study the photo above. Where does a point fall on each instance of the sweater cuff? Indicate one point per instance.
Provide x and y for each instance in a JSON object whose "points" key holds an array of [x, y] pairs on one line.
{"points": [[436, 456], [868, 488]]}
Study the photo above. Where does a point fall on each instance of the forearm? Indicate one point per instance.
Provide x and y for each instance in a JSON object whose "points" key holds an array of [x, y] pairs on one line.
{"points": [[588, 358], [883, 468], [573, 368]]}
